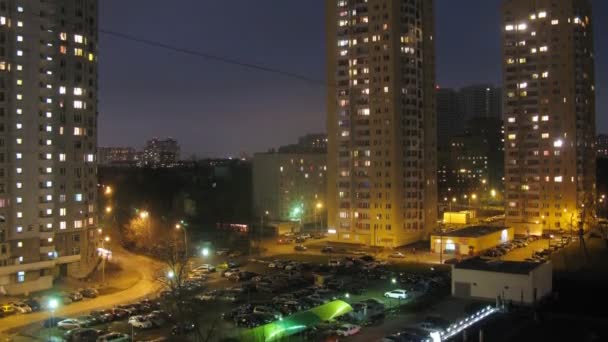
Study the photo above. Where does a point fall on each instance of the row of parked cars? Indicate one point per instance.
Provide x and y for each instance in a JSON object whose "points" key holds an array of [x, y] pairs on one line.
{"points": [[30, 305], [146, 314], [506, 247], [419, 332]]}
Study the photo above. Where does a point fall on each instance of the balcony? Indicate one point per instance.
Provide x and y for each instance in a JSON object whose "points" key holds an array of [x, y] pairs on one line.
{"points": [[47, 249]]}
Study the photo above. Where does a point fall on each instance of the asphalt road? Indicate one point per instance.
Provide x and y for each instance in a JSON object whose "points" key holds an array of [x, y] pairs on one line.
{"points": [[146, 286]]}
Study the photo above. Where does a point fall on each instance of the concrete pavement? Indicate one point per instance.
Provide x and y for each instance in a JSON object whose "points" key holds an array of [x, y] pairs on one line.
{"points": [[147, 286]]}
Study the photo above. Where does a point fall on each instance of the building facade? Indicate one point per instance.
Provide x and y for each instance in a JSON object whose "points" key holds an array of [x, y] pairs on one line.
{"points": [[48, 140], [160, 153], [602, 146], [382, 127], [290, 186], [117, 156], [549, 95], [450, 118], [474, 162], [480, 101]]}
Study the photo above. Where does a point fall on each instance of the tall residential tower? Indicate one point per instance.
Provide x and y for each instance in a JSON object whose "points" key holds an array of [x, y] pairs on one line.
{"points": [[549, 102], [48, 140], [381, 123]]}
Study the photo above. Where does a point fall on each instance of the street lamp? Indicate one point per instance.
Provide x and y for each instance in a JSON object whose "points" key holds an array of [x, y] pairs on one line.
{"points": [[53, 305], [318, 207], [205, 252], [104, 256], [178, 227], [108, 209]]}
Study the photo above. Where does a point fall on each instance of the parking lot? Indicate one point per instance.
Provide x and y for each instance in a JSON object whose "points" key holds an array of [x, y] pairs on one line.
{"points": [[264, 290]]}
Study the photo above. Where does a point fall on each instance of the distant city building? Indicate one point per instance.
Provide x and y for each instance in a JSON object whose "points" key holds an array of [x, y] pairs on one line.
{"points": [[48, 135], [549, 94], [602, 146], [315, 143], [480, 101], [290, 186], [450, 119], [474, 161], [160, 153], [457, 106], [382, 133], [117, 156]]}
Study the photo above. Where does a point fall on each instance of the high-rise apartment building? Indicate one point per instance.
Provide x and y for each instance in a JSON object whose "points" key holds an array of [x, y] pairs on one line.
{"points": [[450, 119], [480, 101], [602, 146], [48, 140], [117, 156], [160, 153], [381, 123], [549, 101]]}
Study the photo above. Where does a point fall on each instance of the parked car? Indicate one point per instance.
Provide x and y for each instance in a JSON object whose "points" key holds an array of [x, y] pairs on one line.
{"points": [[140, 322], [89, 293], [103, 316], [75, 296], [334, 263], [69, 324], [82, 335], [182, 328], [327, 249], [205, 268], [396, 294], [114, 337], [87, 321], [7, 310], [348, 330], [227, 273], [34, 304], [222, 251], [397, 255], [300, 248], [21, 307]]}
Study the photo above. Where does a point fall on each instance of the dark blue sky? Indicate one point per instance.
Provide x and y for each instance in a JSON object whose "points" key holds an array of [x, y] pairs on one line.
{"points": [[219, 110]]}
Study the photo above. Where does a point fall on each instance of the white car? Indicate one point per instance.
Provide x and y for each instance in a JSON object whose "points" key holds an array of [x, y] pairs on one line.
{"points": [[140, 322], [396, 294], [230, 272], [69, 324], [430, 327], [204, 268], [348, 330], [21, 307]]}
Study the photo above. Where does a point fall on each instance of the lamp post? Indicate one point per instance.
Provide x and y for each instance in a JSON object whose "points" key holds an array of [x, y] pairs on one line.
{"points": [[179, 226], [144, 216], [104, 256], [318, 207], [53, 305]]}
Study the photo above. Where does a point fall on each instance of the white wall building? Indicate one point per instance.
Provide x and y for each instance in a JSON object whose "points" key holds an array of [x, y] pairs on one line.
{"points": [[519, 282]]}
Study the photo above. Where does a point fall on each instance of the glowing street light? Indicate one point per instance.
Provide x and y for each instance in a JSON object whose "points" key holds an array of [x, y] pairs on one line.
{"points": [[205, 252], [319, 205], [108, 209], [108, 190], [170, 274], [493, 193], [394, 281], [53, 304], [144, 215]]}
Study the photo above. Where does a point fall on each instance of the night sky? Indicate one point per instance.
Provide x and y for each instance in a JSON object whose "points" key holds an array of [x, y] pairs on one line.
{"points": [[218, 110]]}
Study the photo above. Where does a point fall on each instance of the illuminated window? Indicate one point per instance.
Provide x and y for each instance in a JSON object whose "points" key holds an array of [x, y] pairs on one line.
{"points": [[20, 244], [522, 27], [509, 27], [545, 136], [62, 90], [535, 118], [558, 143], [543, 49], [62, 225], [78, 197], [554, 22], [78, 52], [78, 131], [63, 49], [62, 157], [512, 136], [545, 74], [558, 179], [511, 120], [18, 156], [63, 36], [77, 91], [78, 224], [78, 39], [542, 14], [545, 118], [62, 212], [78, 104]]}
